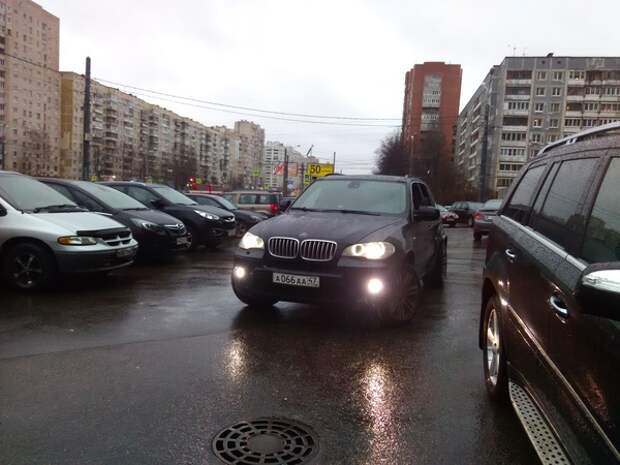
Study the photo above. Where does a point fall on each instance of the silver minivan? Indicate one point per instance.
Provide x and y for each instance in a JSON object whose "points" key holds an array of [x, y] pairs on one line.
{"points": [[43, 234]]}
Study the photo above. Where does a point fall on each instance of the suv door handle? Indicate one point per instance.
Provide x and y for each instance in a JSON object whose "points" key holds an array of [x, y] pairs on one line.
{"points": [[558, 306], [512, 256]]}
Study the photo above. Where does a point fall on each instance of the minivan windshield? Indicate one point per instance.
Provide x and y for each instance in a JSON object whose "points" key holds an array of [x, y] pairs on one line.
{"points": [[173, 196], [112, 197], [30, 195], [354, 196]]}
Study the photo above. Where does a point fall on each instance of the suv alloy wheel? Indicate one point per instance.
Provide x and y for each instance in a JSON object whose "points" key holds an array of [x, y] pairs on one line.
{"points": [[494, 354], [403, 304], [28, 267]]}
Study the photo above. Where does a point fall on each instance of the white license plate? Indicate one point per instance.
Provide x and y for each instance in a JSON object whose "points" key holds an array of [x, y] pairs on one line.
{"points": [[296, 280], [182, 240]]}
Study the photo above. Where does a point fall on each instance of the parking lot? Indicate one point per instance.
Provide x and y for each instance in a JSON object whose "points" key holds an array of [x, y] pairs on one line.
{"points": [[147, 365]]}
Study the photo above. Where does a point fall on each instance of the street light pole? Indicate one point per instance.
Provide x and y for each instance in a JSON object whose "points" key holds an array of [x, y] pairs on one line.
{"points": [[86, 141]]}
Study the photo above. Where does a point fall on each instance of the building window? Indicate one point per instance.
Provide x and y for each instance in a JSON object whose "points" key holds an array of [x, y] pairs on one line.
{"points": [[537, 123], [518, 105], [578, 75], [556, 91], [539, 107], [554, 123], [593, 91], [558, 75], [589, 106], [540, 91], [536, 138], [512, 151], [541, 75], [555, 108], [612, 91], [552, 138], [504, 182], [513, 136], [571, 122]]}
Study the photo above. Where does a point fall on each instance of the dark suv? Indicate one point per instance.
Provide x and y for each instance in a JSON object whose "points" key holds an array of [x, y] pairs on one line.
{"points": [[550, 319], [369, 240]]}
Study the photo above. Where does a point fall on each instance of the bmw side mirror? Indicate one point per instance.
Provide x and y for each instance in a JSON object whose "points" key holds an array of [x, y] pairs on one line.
{"points": [[426, 214], [598, 291], [3, 211]]}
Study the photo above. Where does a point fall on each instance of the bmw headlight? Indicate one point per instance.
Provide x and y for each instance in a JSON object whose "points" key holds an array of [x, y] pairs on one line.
{"points": [[208, 216], [370, 250], [251, 241]]}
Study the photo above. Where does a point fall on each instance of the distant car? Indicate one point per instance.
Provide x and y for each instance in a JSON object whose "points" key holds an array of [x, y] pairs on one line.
{"points": [[448, 217], [156, 232], [245, 218], [483, 218], [258, 201], [466, 211], [550, 313], [206, 225], [365, 242], [44, 234]]}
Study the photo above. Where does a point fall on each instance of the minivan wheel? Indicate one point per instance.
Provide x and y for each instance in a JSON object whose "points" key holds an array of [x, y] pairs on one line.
{"points": [[494, 353], [29, 267], [404, 302], [253, 301]]}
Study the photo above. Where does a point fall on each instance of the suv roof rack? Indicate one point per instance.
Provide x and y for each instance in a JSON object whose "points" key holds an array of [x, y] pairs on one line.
{"points": [[599, 130]]}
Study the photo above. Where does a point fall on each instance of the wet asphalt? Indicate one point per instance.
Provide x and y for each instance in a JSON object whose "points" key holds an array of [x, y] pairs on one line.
{"points": [[147, 365]]}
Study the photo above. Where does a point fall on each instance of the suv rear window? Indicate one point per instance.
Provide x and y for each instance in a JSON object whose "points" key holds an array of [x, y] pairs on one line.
{"points": [[560, 219], [602, 240], [521, 201]]}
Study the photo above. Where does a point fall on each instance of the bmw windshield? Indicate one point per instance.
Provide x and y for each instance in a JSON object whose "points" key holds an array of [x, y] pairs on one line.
{"points": [[354, 196]]}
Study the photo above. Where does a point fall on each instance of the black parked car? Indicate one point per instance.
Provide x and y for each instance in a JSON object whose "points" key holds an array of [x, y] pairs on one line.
{"points": [[550, 319], [466, 211], [367, 240], [245, 218], [155, 231], [206, 225]]}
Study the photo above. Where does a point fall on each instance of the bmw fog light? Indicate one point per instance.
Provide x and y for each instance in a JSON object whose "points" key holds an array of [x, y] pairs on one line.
{"points": [[239, 272], [375, 286]]}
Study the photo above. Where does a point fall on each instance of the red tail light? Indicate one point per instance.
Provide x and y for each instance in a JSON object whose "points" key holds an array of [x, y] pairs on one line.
{"points": [[478, 216], [275, 208]]}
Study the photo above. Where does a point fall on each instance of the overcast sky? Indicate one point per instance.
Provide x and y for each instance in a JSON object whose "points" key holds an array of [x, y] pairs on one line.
{"points": [[336, 57]]}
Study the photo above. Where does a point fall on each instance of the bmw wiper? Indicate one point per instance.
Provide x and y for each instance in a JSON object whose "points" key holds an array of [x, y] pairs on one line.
{"points": [[356, 212], [134, 209], [306, 209], [57, 207]]}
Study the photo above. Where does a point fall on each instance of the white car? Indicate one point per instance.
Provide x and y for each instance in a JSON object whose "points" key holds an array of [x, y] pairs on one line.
{"points": [[43, 234]]}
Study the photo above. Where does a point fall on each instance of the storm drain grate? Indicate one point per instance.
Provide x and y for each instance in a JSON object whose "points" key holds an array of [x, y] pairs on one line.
{"points": [[274, 441], [547, 446]]}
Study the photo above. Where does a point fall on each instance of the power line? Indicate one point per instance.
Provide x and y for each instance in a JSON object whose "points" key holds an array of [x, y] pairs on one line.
{"points": [[238, 107]]}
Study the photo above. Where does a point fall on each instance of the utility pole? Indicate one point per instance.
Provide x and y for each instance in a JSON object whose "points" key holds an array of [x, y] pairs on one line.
{"points": [[303, 177], [86, 141], [285, 174], [484, 155], [334, 163]]}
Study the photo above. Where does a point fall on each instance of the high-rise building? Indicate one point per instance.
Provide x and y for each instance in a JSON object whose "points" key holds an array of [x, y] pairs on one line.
{"points": [[29, 89], [134, 139], [247, 170], [523, 104], [431, 104]]}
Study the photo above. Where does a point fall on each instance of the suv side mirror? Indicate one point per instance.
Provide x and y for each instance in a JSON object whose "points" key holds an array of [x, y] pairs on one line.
{"points": [[426, 214], [284, 204], [157, 204], [598, 291]]}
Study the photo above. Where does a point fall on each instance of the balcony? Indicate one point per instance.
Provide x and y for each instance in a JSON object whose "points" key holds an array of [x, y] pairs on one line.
{"points": [[518, 97], [516, 112], [573, 114], [574, 98], [519, 82]]}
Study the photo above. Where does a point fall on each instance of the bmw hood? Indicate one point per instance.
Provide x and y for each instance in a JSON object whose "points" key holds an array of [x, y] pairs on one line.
{"points": [[344, 228]]}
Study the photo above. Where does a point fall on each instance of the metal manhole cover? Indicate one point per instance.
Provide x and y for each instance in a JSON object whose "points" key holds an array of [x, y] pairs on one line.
{"points": [[266, 441]]}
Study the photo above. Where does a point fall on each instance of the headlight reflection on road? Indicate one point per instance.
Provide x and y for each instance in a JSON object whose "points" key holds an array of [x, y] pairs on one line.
{"points": [[379, 396], [236, 359]]}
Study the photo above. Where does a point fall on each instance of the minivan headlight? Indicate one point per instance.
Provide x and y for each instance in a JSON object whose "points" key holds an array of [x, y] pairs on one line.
{"points": [[370, 250], [251, 241], [77, 240]]}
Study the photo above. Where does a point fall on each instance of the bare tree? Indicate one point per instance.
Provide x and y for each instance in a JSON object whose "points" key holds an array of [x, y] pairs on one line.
{"points": [[392, 156]]}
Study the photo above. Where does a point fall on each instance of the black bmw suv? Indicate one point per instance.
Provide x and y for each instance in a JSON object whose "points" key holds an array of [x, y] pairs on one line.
{"points": [[550, 316], [355, 240]]}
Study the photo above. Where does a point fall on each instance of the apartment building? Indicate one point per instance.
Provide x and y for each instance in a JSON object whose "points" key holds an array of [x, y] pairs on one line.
{"points": [[247, 170], [431, 104], [29, 89], [273, 166], [527, 102], [134, 139]]}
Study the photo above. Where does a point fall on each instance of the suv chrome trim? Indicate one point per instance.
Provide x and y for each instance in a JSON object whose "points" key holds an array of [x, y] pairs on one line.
{"points": [[574, 138], [283, 247], [537, 427], [318, 250]]}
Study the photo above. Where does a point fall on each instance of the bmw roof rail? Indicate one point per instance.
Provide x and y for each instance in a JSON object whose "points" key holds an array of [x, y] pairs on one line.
{"points": [[583, 135]]}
